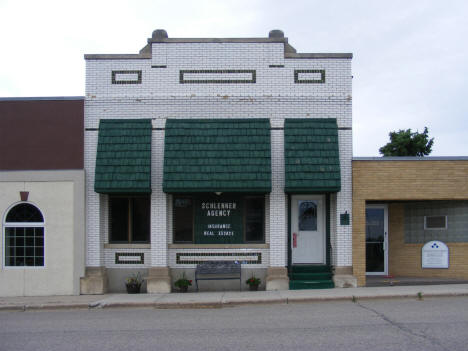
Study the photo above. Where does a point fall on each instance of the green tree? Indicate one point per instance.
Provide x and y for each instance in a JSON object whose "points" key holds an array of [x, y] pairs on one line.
{"points": [[406, 143]]}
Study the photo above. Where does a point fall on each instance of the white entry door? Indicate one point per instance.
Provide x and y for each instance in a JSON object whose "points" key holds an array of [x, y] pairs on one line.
{"points": [[308, 229]]}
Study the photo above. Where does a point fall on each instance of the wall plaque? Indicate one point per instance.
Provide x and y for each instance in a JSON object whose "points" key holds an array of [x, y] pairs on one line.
{"points": [[435, 254]]}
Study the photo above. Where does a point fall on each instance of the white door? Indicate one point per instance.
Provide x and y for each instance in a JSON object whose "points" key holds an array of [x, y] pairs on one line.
{"points": [[376, 240], [308, 229]]}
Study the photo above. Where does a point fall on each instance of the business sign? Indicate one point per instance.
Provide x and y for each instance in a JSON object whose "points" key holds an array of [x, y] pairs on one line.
{"points": [[218, 219], [435, 254]]}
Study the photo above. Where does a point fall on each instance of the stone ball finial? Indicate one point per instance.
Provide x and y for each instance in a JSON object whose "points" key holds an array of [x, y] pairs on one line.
{"points": [[159, 34], [276, 33]]}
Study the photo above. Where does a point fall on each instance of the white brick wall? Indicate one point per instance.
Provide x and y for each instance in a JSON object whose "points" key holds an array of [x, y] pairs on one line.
{"points": [[278, 235], [161, 96], [164, 82], [94, 256], [343, 244], [158, 203]]}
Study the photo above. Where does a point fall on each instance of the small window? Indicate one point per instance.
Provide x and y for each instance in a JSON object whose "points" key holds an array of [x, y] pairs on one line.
{"points": [[183, 220], [24, 237], [129, 219], [435, 222]]}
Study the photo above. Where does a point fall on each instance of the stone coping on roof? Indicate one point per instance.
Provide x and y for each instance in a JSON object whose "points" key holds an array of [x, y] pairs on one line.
{"points": [[288, 55], [160, 36], [117, 56], [413, 158]]}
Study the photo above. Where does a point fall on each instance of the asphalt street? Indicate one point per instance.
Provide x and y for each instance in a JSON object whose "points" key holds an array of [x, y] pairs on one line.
{"points": [[393, 324]]}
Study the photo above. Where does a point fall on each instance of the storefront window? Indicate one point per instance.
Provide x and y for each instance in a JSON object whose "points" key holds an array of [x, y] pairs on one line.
{"points": [[219, 219], [24, 236], [129, 219], [183, 220], [254, 222]]}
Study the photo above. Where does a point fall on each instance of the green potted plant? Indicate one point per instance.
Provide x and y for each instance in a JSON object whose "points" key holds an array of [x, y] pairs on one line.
{"points": [[133, 283], [253, 282], [183, 283]]}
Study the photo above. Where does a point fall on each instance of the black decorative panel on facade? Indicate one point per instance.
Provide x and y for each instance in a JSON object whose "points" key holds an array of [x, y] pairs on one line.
{"points": [[200, 257], [129, 258], [299, 80], [118, 77], [183, 79]]}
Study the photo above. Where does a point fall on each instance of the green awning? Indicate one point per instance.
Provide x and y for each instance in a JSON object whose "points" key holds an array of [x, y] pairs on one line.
{"points": [[123, 160], [311, 155], [217, 155]]}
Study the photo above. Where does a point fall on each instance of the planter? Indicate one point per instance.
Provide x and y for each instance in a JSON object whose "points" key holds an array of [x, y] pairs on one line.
{"points": [[253, 287], [133, 288], [183, 289]]}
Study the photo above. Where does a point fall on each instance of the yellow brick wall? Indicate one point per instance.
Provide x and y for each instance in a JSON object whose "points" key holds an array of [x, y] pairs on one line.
{"points": [[406, 180], [405, 259]]}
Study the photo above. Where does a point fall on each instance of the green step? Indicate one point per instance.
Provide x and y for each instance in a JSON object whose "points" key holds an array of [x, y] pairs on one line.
{"points": [[311, 269], [311, 276], [311, 284]]}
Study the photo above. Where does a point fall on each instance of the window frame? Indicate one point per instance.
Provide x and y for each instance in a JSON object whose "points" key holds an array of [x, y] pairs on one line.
{"points": [[6, 224], [129, 229]]}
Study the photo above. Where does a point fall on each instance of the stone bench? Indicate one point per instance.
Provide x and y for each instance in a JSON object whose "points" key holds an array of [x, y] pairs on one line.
{"points": [[218, 270]]}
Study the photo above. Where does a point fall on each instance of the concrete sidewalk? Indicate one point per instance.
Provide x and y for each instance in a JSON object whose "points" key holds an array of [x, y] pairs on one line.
{"points": [[225, 299]]}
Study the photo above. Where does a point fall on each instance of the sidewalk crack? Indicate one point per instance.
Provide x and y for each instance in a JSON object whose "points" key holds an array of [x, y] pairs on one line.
{"points": [[404, 329]]}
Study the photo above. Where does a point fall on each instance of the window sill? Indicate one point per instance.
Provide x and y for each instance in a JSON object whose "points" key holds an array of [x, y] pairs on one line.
{"points": [[127, 246], [219, 246]]}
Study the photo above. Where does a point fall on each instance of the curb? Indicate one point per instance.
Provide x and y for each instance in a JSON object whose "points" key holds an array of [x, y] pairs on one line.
{"points": [[188, 305], [232, 302], [15, 308], [56, 306]]}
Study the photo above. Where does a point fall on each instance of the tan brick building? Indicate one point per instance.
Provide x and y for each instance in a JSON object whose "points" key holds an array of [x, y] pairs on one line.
{"points": [[418, 200]]}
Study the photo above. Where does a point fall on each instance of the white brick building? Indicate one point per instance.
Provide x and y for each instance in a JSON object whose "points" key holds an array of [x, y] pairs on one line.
{"points": [[300, 214]]}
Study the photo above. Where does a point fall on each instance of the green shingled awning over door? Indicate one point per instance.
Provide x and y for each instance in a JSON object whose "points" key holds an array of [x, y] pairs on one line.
{"points": [[311, 155], [217, 155], [123, 159]]}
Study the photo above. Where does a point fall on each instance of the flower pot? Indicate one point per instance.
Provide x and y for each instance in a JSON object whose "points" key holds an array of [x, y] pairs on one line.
{"points": [[133, 288], [253, 287], [183, 289]]}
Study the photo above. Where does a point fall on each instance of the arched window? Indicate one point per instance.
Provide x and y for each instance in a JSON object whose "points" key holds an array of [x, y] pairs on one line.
{"points": [[24, 236]]}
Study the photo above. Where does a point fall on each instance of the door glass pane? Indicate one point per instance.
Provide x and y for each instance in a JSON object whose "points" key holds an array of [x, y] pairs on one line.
{"points": [[375, 236], [307, 215], [375, 224], [375, 257]]}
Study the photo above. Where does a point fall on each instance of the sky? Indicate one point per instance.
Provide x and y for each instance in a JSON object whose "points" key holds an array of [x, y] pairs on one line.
{"points": [[410, 64]]}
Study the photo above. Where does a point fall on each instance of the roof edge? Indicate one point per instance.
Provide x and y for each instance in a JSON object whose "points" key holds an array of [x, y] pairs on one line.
{"points": [[39, 98], [117, 56], [218, 40], [344, 55]]}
